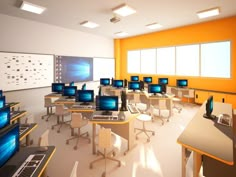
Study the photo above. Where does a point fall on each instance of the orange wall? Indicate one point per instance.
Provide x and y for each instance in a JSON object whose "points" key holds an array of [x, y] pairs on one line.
{"points": [[213, 31]]}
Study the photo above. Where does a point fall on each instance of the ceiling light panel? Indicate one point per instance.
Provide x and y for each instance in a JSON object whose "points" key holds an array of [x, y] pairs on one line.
{"points": [[154, 26], [124, 10], [32, 7], [121, 34], [209, 13], [89, 24]]}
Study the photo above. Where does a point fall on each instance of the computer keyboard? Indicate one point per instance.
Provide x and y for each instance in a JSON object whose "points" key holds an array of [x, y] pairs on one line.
{"points": [[133, 109], [105, 117], [29, 166], [23, 129]]}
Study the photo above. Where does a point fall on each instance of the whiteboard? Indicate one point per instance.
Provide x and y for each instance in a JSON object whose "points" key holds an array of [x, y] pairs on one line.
{"points": [[23, 71], [103, 68]]}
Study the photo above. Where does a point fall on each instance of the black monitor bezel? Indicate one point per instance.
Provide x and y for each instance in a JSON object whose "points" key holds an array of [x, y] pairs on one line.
{"points": [[146, 78], [66, 87], [131, 78], [151, 85], [77, 98], [56, 83], [163, 78], [101, 79]]}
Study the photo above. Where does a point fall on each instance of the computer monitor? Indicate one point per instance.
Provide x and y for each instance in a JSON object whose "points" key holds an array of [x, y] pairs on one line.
{"points": [[58, 87], [1, 93], [141, 84], [163, 81], [182, 83], [72, 83], [2, 101], [107, 104], [209, 108], [69, 91], [83, 86], [134, 78], [9, 142], [84, 96], [134, 86], [104, 81], [154, 88], [118, 83], [147, 80], [5, 117]]}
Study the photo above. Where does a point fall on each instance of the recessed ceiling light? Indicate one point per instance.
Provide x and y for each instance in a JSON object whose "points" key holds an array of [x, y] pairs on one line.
{"points": [[123, 10], [154, 26], [208, 13], [32, 7], [89, 24], [121, 34]]}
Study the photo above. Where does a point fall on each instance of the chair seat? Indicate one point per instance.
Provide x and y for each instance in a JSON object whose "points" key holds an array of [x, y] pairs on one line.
{"points": [[144, 117]]}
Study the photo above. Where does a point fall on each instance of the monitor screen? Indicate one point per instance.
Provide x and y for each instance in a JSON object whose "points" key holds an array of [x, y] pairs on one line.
{"points": [[9, 142], [107, 103], [209, 108], [2, 101], [84, 96], [69, 91], [163, 81], [134, 78], [147, 80], [134, 86], [57, 87], [5, 116], [1, 93], [104, 81], [83, 87], [72, 83], [181, 82], [154, 88], [118, 83]]}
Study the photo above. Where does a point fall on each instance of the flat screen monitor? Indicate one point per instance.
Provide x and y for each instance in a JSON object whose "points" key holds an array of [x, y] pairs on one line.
{"points": [[163, 81], [5, 117], [58, 87], [72, 83], [154, 88], [83, 87], [69, 91], [84, 96], [118, 83], [1, 93], [9, 142], [209, 108], [147, 80], [2, 101], [104, 81], [182, 83], [107, 104], [134, 86], [134, 78]]}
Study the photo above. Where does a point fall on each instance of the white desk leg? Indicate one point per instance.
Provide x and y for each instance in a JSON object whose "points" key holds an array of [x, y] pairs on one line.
{"points": [[197, 162], [184, 161]]}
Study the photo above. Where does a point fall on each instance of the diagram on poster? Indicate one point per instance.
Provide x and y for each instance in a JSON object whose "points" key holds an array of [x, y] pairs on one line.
{"points": [[23, 71]]}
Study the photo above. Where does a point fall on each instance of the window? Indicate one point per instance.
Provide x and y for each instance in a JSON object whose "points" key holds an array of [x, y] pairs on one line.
{"points": [[215, 59], [166, 61], [148, 61], [133, 61]]}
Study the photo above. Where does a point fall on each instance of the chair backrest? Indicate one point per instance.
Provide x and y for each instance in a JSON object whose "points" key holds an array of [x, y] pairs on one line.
{"points": [[48, 102], [43, 139], [60, 110], [104, 138], [74, 170], [191, 93], [77, 120], [29, 119]]}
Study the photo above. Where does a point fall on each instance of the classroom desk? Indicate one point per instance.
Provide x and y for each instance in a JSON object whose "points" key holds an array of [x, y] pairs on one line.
{"points": [[13, 105], [16, 115], [15, 162], [53, 95], [65, 101], [124, 128], [26, 134], [206, 137]]}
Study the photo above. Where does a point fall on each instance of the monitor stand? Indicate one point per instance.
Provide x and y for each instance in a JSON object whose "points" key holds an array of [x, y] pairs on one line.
{"points": [[84, 103], [209, 116], [106, 113]]}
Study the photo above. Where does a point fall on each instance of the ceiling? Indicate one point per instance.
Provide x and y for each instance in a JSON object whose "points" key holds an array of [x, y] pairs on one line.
{"points": [[70, 13]]}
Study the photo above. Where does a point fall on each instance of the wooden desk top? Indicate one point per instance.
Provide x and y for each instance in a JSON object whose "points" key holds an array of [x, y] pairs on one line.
{"points": [[53, 95], [13, 104], [15, 162], [63, 100], [28, 131], [209, 138], [18, 115]]}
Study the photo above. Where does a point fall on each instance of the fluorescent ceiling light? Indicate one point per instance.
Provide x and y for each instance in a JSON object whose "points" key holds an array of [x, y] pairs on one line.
{"points": [[32, 7], [121, 34], [123, 10], [208, 13], [89, 24], [154, 26]]}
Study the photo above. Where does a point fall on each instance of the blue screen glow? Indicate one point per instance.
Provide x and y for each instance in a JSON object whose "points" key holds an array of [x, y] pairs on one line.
{"points": [[147, 79], [4, 117], [69, 90], [107, 103], [163, 81], [57, 87], [134, 85], [104, 81], [182, 83], [154, 88], [134, 78], [2, 101], [118, 83], [84, 96]]}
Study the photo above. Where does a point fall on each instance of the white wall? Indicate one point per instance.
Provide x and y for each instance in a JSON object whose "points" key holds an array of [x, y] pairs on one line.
{"points": [[19, 35]]}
